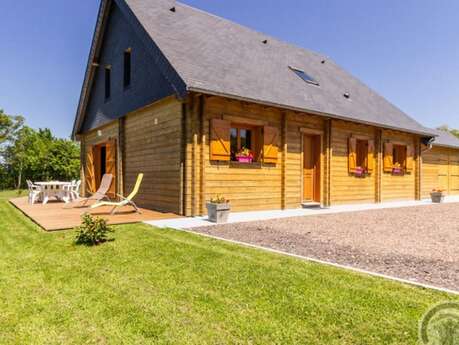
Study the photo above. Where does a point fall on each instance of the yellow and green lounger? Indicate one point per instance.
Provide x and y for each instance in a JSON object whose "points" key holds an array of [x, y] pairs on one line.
{"points": [[124, 201]]}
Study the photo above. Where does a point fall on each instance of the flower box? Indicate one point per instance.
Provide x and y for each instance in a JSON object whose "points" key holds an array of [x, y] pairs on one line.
{"points": [[244, 159], [359, 172], [397, 171]]}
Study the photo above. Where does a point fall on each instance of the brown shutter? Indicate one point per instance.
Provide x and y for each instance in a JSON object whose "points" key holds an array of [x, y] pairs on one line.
{"points": [[371, 156], [388, 157], [352, 155], [90, 178], [270, 148], [220, 148], [110, 167], [410, 158]]}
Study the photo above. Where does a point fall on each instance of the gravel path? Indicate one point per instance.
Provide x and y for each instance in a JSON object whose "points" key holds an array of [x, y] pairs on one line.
{"points": [[415, 243]]}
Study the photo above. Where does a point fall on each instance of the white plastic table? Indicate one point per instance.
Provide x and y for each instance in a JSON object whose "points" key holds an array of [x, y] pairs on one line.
{"points": [[53, 189]]}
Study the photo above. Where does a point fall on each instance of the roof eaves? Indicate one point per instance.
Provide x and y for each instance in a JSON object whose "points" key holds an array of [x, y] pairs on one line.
{"points": [[425, 133]]}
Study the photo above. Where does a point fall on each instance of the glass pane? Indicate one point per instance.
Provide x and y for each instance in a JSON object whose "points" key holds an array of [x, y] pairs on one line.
{"points": [[233, 139], [246, 138]]}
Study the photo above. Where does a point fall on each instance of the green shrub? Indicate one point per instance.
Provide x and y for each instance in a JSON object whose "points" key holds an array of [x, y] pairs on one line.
{"points": [[92, 231]]}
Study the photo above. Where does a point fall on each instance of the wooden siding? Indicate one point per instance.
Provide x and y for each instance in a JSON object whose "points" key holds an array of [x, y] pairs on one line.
{"points": [[346, 187], [440, 170], [249, 187], [399, 187], [152, 146]]}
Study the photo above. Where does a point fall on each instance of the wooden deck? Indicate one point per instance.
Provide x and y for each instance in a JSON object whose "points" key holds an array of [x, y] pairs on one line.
{"points": [[59, 216]]}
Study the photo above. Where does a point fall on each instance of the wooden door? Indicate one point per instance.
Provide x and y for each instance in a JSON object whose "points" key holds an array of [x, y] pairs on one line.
{"points": [[311, 168]]}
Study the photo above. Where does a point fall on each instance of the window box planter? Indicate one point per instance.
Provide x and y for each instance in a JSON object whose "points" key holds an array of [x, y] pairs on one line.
{"points": [[397, 171], [218, 212], [244, 159], [437, 196], [360, 172]]}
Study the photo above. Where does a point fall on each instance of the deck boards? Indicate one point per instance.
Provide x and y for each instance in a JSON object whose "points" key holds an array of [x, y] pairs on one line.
{"points": [[59, 216]]}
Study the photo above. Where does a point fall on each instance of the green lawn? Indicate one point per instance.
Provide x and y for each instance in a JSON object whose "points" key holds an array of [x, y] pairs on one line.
{"points": [[154, 286]]}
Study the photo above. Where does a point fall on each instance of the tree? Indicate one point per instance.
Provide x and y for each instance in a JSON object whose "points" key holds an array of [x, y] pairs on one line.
{"points": [[37, 155], [450, 130], [9, 125]]}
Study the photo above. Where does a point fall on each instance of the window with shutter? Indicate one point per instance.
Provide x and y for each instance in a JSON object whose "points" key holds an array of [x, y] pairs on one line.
{"points": [[220, 149], [270, 144]]}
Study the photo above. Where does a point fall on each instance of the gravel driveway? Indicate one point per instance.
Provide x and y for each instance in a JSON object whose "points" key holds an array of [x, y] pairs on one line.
{"points": [[415, 243]]}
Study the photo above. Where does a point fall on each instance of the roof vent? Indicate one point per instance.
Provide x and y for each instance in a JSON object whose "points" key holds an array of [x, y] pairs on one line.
{"points": [[172, 9], [323, 61], [265, 41], [347, 95]]}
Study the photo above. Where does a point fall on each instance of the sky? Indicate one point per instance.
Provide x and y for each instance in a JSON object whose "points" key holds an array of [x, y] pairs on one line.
{"points": [[408, 51]]}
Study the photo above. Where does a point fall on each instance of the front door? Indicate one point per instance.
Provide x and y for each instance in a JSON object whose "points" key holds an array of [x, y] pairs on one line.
{"points": [[311, 168]]}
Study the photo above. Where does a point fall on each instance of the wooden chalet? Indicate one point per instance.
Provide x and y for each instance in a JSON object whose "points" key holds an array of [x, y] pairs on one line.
{"points": [[178, 94]]}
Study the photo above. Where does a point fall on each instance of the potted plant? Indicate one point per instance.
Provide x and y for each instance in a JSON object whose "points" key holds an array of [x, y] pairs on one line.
{"points": [[244, 156], [218, 209], [437, 195]]}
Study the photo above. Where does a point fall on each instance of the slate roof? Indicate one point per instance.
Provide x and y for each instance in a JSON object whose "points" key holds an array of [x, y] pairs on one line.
{"points": [[445, 139], [216, 56]]}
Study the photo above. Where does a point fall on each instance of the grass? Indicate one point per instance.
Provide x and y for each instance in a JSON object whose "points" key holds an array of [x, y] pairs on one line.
{"points": [[153, 286]]}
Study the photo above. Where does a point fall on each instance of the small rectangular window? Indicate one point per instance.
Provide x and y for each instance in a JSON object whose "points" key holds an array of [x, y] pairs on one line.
{"points": [[243, 142], [127, 68], [307, 78], [107, 83]]}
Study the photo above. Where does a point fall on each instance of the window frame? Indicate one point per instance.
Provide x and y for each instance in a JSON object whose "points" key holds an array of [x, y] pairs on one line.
{"points": [[127, 68], [307, 78]]}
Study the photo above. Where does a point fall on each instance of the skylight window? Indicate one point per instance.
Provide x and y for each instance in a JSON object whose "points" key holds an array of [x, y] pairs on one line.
{"points": [[307, 78]]}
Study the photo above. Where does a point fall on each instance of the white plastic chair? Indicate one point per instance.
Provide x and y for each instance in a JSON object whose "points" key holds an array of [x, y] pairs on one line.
{"points": [[34, 192], [72, 190]]}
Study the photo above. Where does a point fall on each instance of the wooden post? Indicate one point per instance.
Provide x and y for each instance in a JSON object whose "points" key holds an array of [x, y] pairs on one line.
{"points": [[202, 170], [183, 159], [328, 163], [283, 160], [121, 153], [379, 165], [418, 177], [82, 165], [194, 156]]}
